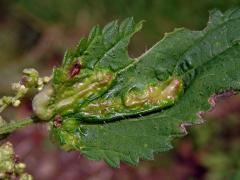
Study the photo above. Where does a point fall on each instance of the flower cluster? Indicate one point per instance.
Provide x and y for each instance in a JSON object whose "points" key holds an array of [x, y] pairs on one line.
{"points": [[30, 80], [10, 167]]}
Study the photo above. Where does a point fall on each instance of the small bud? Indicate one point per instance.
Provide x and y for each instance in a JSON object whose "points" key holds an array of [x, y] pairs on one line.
{"points": [[20, 167], [23, 89], [40, 88], [16, 103], [25, 176], [16, 86], [46, 79], [40, 82], [31, 72], [30, 78]]}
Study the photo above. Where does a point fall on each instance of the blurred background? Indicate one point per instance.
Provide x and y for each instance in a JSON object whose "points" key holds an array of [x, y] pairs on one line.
{"points": [[35, 33]]}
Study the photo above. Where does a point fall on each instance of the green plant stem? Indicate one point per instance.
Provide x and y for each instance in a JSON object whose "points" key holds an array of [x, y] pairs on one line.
{"points": [[3, 107], [12, 126]]}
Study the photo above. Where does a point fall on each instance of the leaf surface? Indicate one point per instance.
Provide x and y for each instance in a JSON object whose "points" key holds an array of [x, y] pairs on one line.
{"points": [[145, 102]]}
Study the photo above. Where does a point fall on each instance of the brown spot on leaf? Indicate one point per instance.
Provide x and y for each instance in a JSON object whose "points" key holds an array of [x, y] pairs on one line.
{"points": [[75, 69], [57, 121]]}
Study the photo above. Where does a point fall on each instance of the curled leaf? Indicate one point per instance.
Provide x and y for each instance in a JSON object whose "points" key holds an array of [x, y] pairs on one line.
{"points": [[116, 108]]}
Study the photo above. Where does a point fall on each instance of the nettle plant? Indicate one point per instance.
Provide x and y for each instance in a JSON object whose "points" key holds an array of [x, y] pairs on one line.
{"points": [[115, 108]]}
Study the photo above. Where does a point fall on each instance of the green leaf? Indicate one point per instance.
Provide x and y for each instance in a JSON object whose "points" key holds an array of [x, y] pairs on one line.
{"points": [[131, 109]]}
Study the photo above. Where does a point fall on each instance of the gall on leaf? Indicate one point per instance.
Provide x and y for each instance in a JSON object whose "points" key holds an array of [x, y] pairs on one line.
{"points": [[124, 118]]}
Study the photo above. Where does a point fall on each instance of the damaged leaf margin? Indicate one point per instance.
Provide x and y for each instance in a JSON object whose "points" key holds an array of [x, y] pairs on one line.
{"points": [[207, 62]]}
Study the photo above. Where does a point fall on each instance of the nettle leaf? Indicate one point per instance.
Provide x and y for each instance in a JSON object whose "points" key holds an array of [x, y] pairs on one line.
{"points": [[115, 108]]}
